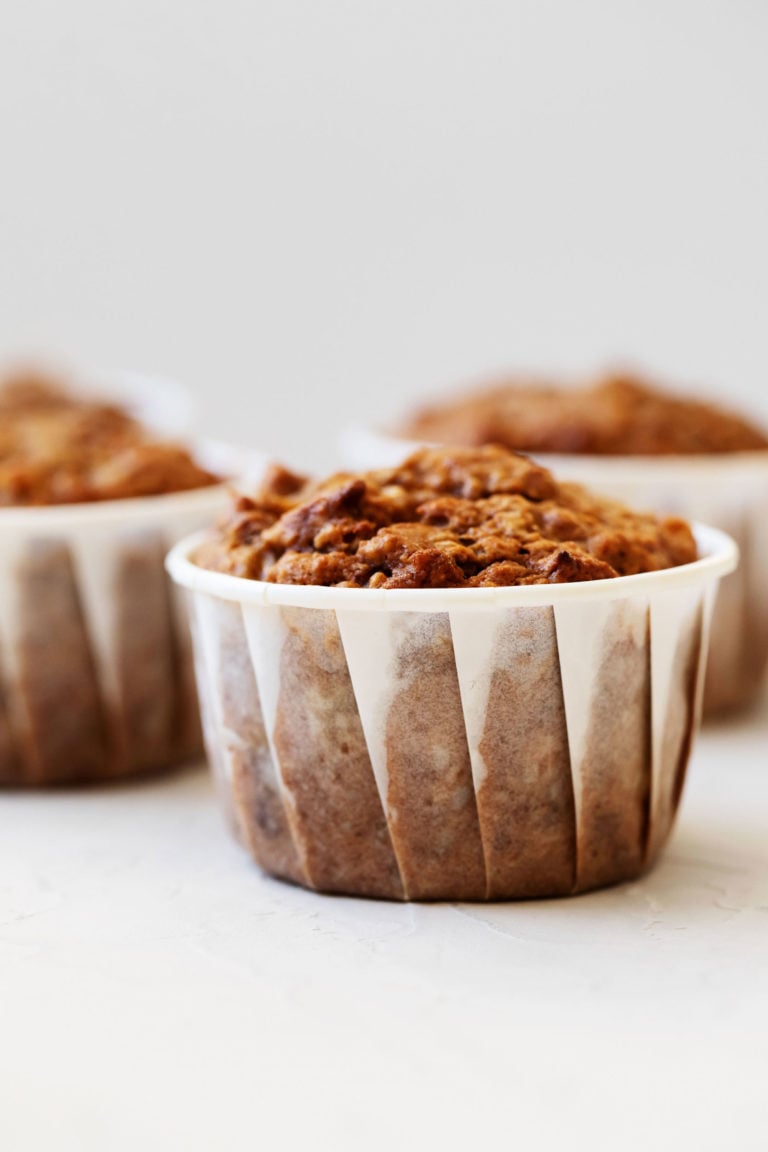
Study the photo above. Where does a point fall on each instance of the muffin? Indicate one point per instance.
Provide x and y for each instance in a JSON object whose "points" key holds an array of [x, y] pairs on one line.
{"points": [[453, 679], [650, 448], [96, 678], [613, 416]]}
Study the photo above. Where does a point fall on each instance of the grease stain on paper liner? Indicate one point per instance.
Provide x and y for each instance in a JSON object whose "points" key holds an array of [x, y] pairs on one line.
{"points": [[430, 796], [247, 770], [676, 642], [57, 686], [615, 771], [335, 812], [142, 722], [509, 672], [187, 719], [89, 660], [8, 758], [508, 753]]}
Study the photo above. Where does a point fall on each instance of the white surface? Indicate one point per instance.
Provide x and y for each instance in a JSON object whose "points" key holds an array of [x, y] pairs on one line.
{"points": [[311, 212], [160, 993]]}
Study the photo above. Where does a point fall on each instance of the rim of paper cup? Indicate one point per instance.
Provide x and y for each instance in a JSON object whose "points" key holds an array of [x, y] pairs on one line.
{"points": [[355, 440], [242, 466], [718, 556]]}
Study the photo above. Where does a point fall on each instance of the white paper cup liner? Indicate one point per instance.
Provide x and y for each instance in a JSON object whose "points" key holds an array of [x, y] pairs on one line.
{"points": [[96, 669], [463, 744], [729, 491]]}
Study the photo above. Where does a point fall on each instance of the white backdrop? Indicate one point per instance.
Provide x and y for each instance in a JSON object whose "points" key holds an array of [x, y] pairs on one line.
{"points": [[318, 208], [313, 210]]}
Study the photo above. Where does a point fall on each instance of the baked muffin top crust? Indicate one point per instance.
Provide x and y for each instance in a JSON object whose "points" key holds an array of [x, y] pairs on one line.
{"points": [[617, 415], [446, 518], [56, 448]]}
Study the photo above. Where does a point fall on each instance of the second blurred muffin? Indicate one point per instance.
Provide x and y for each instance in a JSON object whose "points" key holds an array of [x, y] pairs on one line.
{"points": [[648, 447], [96, 678]]}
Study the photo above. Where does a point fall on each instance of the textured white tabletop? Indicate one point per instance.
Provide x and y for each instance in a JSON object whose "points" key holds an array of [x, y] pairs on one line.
{"points": [[158, 992]]}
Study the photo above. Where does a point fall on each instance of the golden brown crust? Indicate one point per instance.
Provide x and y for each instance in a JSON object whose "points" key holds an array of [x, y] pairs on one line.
{"points": [[57, 449], [618, 415], [446, 518]]}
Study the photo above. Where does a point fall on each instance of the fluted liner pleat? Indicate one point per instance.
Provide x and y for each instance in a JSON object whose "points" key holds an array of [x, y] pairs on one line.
{"points": [[512, 697], [464, 755], [337, 821], [96, 674], [237, 742], [408, 693]]}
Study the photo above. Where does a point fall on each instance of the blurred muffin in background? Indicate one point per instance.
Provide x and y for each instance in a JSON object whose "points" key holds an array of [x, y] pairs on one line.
{"points": [[60, 448], [96, 679], [639, 443], [617, 415]]}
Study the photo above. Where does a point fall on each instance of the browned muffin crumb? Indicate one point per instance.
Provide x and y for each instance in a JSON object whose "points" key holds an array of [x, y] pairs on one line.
{"points": [[27, 391], [56, 448], [619, 415], [446, 518]]}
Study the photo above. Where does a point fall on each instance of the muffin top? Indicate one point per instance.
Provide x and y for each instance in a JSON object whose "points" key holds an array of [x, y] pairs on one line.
{"points": [[617, 415], [446, 518], [56, 448]]}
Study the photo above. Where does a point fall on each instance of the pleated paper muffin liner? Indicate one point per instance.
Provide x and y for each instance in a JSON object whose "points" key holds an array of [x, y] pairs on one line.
{"points": [[728, 490], [465, 744], [96, 669]]}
